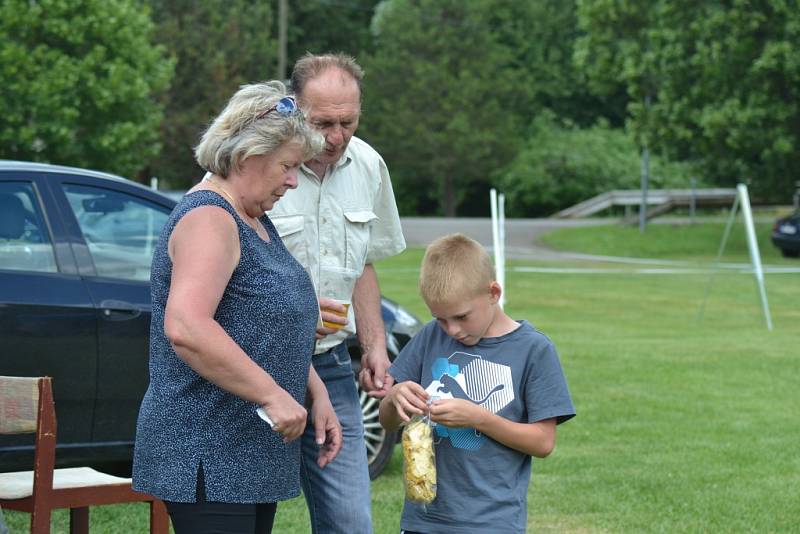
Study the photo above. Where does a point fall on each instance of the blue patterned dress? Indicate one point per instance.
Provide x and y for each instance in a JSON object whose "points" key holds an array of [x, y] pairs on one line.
{"points": [[269, 308]]}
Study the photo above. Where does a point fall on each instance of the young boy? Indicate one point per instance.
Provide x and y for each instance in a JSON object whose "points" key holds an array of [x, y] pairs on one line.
{"points": [[500, 389]]}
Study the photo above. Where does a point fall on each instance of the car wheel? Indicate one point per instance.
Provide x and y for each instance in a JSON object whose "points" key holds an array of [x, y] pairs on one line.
{"points": [[380, 442], [790, 253]]}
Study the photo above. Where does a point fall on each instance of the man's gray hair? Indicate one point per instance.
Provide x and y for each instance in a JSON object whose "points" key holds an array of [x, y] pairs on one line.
{"points": [[238, 133], [312, 65]]}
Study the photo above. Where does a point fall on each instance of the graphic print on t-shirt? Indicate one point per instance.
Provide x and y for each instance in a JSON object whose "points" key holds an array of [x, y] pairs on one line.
{"points": [[468, 376]]}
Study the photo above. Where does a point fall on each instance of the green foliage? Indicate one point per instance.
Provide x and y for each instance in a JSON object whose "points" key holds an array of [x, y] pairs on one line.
{"points": [[562, 164], [542, 35], [451, 91], [452, 86], [723, 80], [219, 45], [329, 26], [443, 123], [81, 82]]}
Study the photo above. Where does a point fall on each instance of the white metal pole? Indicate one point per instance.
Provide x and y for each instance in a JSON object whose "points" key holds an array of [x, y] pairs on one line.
{"points": [[752, 244], [501, 274], [495, 229]]}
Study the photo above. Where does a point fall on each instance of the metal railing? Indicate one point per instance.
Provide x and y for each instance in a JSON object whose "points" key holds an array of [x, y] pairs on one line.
{"points": [[663, 200]]}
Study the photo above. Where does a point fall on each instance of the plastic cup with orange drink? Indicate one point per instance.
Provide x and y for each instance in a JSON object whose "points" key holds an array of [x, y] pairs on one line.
{"points": [[336, 283]]}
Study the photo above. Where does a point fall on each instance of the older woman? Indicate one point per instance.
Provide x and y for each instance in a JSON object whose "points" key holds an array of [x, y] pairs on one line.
{"points": [[233, 330]]}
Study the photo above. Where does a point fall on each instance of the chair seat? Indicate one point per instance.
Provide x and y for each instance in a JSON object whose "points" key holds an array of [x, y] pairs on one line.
{"points": [[19, 484]]}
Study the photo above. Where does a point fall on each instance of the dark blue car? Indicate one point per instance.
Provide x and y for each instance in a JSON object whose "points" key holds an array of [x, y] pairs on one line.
{"points": [[786, 235], [75, 252]]}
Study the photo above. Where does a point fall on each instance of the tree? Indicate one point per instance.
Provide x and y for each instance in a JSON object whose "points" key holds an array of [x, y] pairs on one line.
{"points": [[438, 114], [81, 83], [329, 26], [218, 46], [452, 87], [541, 36], [724, 81], [561, 165]]}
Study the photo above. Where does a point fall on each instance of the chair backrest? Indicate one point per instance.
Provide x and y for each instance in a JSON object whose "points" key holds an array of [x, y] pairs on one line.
{"points": [[19, 404], [12, 216], [26, 406]]}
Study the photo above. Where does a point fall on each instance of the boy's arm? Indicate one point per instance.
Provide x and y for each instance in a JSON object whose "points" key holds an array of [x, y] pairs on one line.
{"points": [[401, 403], [387, 415], [535, 439]]}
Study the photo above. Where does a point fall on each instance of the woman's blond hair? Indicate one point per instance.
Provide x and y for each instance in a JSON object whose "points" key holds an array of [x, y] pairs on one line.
{"points": [[455, 267], [242, 130]]}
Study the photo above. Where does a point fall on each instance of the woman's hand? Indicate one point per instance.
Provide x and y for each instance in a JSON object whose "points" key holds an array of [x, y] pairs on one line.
{"points": [[327, 429], [287, 415]]}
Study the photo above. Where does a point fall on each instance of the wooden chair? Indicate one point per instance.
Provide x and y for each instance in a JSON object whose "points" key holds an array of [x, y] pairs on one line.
{"points": [[26, 406]]}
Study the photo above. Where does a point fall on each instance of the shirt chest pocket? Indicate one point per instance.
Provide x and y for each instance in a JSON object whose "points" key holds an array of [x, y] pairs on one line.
{"points": [[357, 233], [290, 228]]}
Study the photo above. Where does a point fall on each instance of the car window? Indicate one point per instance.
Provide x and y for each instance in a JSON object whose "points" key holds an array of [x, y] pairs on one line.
{"points": [[24, 241], [121, 230]]}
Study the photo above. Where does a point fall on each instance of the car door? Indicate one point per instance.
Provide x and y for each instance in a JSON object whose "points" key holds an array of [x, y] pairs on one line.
{"points": [[47, 318], [114, 228]]}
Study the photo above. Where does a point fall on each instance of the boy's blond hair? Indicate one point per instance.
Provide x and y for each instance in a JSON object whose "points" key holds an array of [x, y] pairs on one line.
{"points": [[455, 267]]}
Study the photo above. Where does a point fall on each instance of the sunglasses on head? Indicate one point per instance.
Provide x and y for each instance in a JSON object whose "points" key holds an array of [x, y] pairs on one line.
{"points": [[286, 107]]}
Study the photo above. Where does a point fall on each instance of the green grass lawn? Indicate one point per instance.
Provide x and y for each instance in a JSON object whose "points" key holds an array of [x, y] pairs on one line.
{"points": [[682, 426], [690, 242]]}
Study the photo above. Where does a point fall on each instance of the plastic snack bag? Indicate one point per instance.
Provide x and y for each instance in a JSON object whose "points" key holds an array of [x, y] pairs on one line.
{"points": [[419, 467]]}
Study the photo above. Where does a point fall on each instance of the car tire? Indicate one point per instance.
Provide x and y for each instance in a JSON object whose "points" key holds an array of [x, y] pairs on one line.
{"points": [[790, 253], [380, 442]]}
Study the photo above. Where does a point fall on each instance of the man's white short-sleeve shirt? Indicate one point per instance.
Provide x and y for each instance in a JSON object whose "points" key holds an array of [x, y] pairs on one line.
{"points": [[335, 225]]}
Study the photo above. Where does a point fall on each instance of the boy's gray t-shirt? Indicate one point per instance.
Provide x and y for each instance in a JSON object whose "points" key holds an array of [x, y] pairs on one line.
{"points": [[482, 485]]}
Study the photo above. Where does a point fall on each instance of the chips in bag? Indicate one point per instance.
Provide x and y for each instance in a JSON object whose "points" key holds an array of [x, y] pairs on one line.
{"points": [[419, 467]]}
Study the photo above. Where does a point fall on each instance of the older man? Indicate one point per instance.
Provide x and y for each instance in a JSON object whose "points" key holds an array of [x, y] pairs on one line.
{"points": [[339, 221]]}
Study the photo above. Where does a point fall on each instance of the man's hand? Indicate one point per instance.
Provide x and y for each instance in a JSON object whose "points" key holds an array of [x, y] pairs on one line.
{"points": [[327, 429], [374, 376], [331, 312]]}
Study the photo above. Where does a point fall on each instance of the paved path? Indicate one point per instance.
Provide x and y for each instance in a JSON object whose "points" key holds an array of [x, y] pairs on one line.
{"points": [[522, 243], [521, 234]]}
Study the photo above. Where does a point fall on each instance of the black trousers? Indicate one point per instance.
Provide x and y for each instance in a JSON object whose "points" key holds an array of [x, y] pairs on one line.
{"points": [[203, 517]]}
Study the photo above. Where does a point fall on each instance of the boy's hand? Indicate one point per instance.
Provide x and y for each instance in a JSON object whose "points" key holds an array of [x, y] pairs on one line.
{"points": [[457, 413], [409, 399]]}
